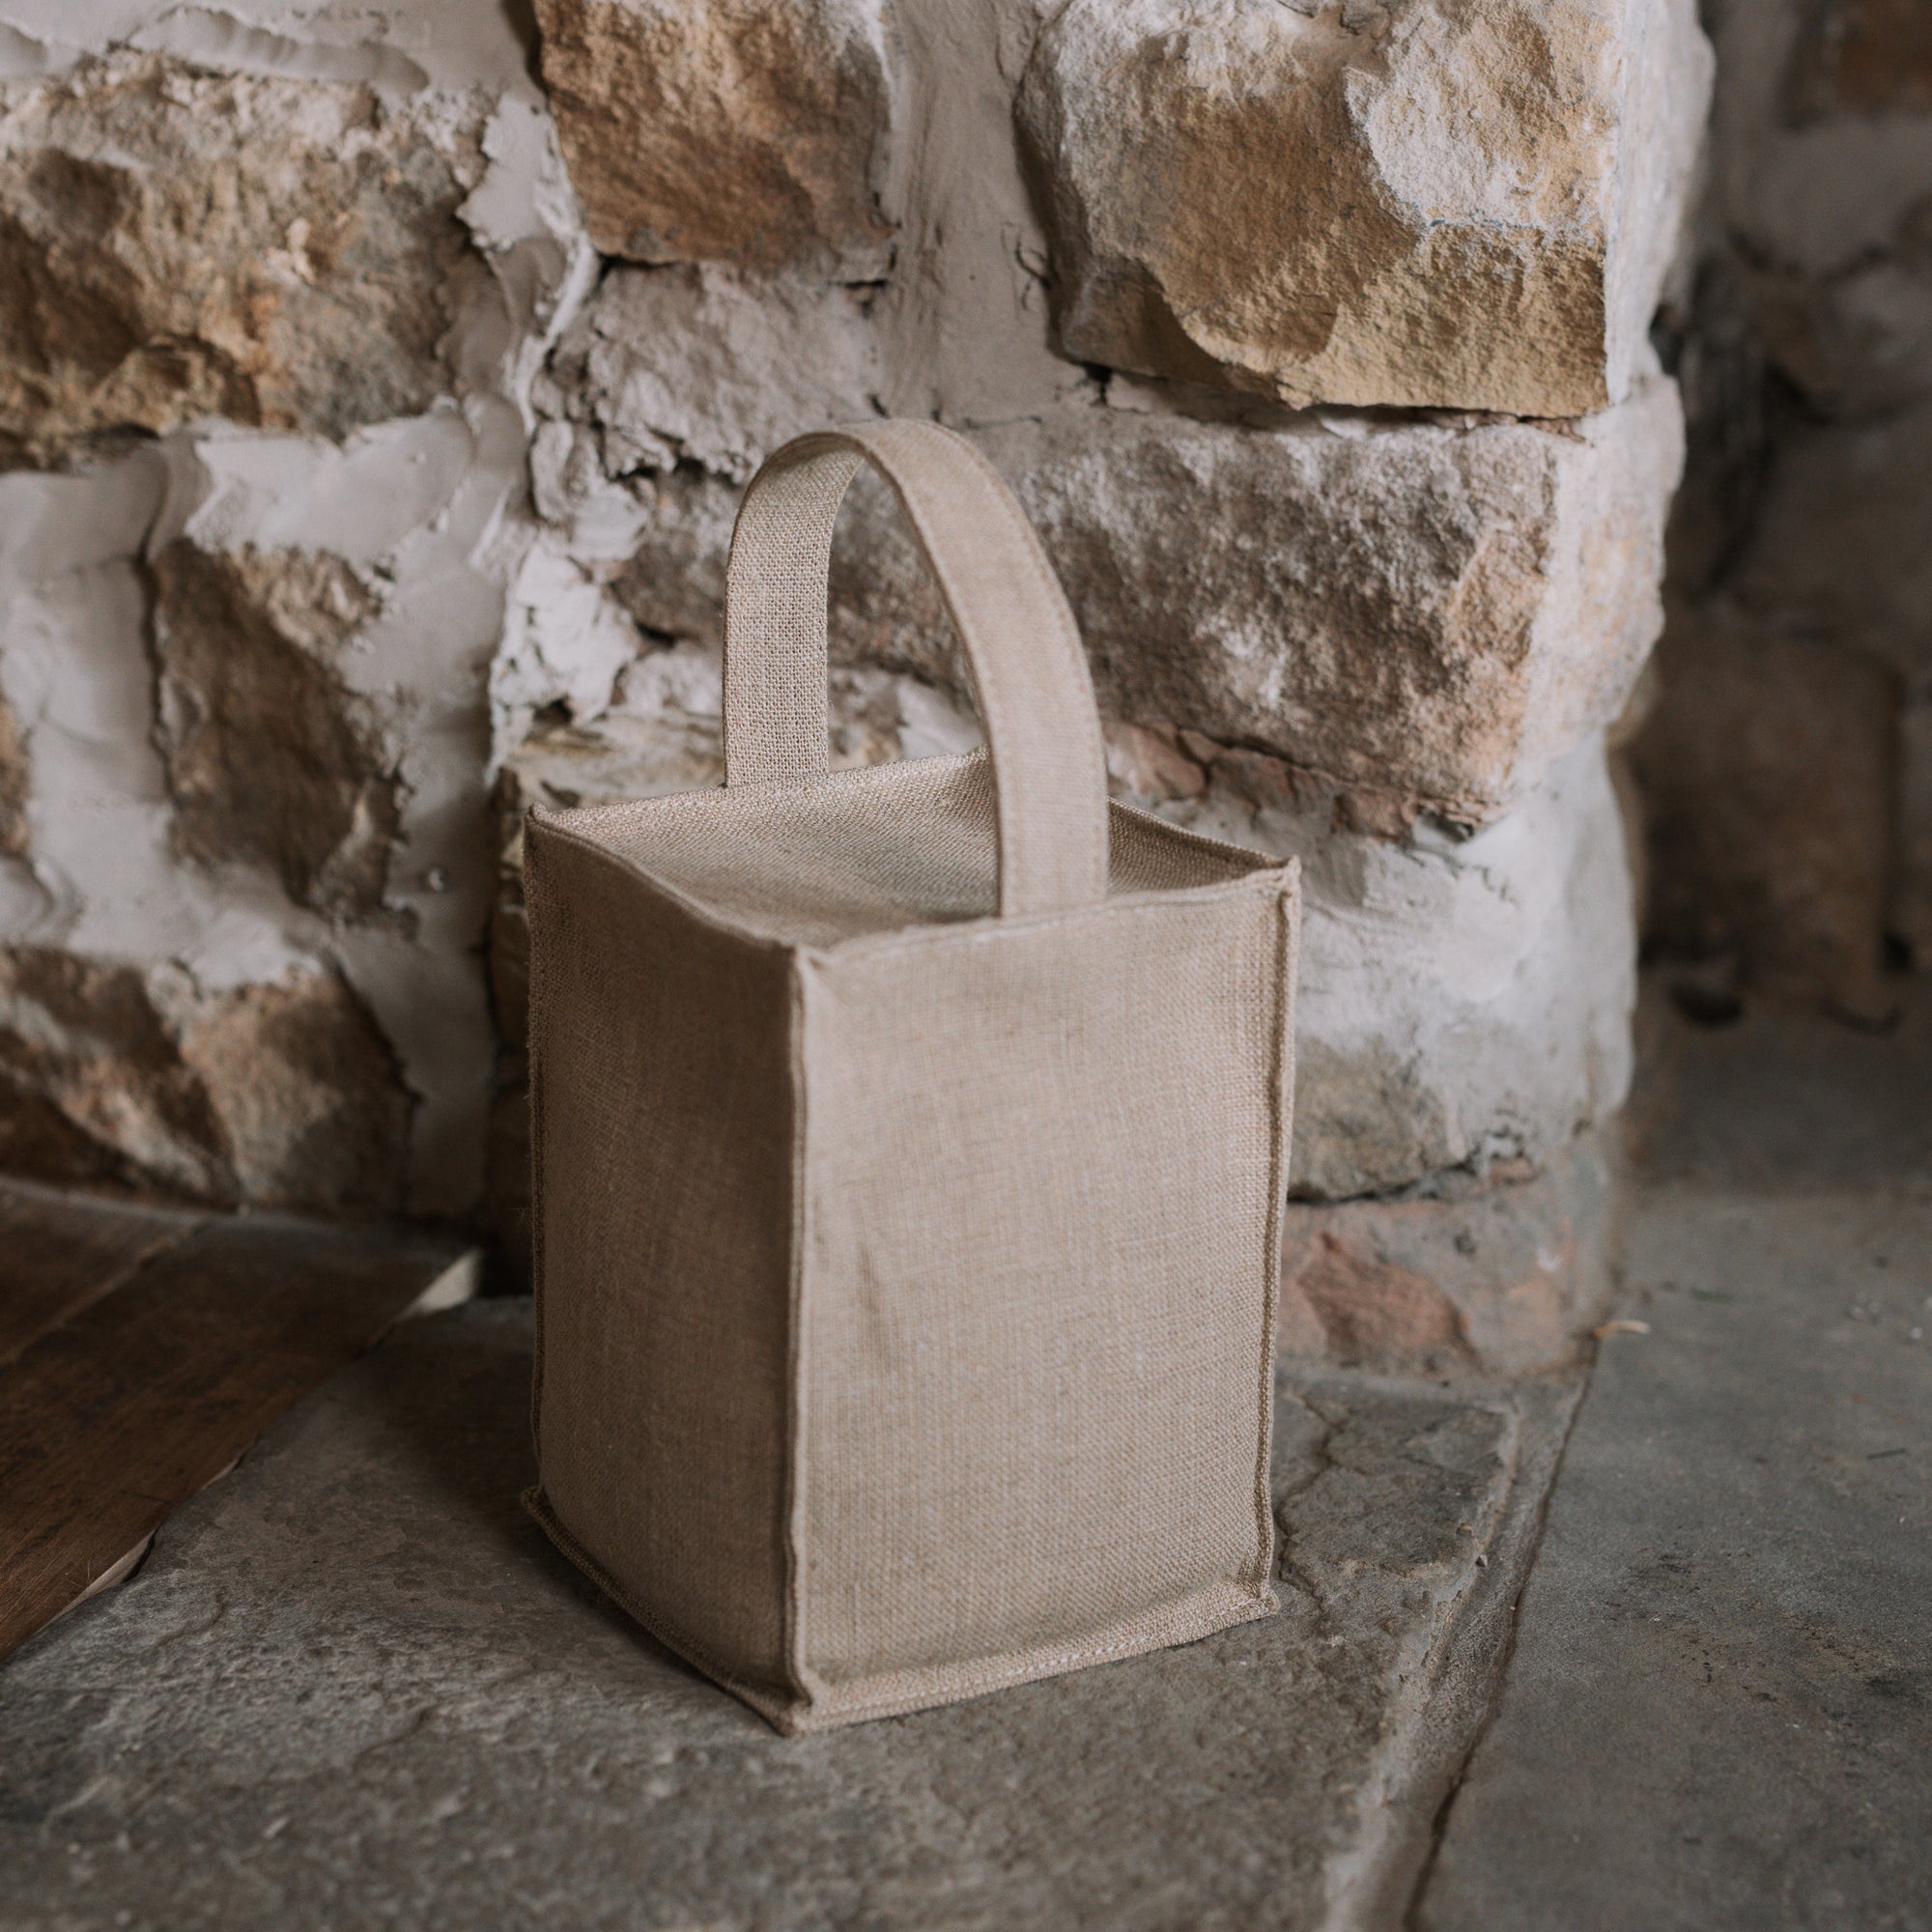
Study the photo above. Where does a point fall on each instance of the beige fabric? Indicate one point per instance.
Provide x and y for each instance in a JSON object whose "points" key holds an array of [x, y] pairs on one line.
{"points": [[908, 1201], [1029, 672]]}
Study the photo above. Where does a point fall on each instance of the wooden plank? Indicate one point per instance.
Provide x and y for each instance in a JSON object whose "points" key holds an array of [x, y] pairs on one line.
{"points": [[58, 1252], [110, 1420]]}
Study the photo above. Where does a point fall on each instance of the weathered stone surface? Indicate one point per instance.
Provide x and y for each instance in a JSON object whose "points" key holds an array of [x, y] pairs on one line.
{"points": [[1768, 771], [1439, 205], [1507, 1275], [95, 1085], [1436, 613], [1715, 1710], [283, 1093], [367, 1689], [704, 365], [406, 506], [724, 130], [182, 244], [1783, 1099], [1464, 1003], [269, 755], [310, 1101]]}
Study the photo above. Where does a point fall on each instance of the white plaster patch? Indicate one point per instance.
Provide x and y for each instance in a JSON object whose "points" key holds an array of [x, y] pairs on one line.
{"points": [[359, 499], [565, 643], [208, 36], [448, 48], [75, 671]]}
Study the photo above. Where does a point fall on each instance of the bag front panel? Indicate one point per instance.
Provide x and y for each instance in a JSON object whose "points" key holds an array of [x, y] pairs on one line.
{"points": [[662, 1073], [1042, 1167]]}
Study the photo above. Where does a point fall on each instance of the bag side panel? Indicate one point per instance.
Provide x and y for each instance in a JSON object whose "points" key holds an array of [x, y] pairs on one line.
{"points": [[1041, 1166], [661, 1048]]}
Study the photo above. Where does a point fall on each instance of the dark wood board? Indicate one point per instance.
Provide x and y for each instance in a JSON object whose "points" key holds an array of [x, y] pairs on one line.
{"points": [[149, 1392], [60, 1251]]}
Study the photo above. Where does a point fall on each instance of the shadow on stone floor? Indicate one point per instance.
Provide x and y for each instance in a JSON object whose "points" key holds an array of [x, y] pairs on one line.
{"points": [[472, 1454]]}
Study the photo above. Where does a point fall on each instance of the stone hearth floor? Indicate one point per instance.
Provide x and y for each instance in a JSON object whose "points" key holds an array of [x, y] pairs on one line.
{"points": [[352, 1686]]}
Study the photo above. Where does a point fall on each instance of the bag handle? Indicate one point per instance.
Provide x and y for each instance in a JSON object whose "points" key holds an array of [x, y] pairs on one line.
{"points": [[1029, 672]]}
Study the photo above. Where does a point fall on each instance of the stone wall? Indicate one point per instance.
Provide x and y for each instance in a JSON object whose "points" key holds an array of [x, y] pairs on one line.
{"points": [[376, 392], [1788, 763]]}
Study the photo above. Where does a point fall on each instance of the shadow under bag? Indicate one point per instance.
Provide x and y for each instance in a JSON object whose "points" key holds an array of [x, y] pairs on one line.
{"points": [[910, 1145]]}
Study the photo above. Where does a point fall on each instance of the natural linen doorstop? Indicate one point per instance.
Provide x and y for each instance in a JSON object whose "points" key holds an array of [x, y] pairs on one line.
{"points": [[909, 1150]]}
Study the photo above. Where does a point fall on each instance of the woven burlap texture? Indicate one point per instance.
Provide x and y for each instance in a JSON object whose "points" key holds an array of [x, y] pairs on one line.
{"points": [[909, 1150]]}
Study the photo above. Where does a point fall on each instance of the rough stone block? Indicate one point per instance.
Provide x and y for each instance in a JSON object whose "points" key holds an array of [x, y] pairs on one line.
{"points": [[215, 729], [1464, 1003], [1768, 773], [1433, 616], [1446, 203], [183, 244], [1505, 1276], [283, 1093], [722, 130], [269, 755]]}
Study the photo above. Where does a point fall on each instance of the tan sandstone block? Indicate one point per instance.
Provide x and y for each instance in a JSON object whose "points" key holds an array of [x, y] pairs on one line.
{"points": [[282, 1094], [181, 244], [1450, 203], [269, 755], [722, 130], [1430, 613]]}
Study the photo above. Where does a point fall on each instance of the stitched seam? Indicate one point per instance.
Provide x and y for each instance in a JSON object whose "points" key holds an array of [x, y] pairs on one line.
{"points": [[981, 931], [673, 896], [1263, 880], [797, 1414], [535, 1022], [1280, 1101], [1035, 1662]]}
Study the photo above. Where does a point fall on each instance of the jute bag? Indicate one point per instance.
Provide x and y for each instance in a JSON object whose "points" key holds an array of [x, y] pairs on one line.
{"points": [[909, 1147]]}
